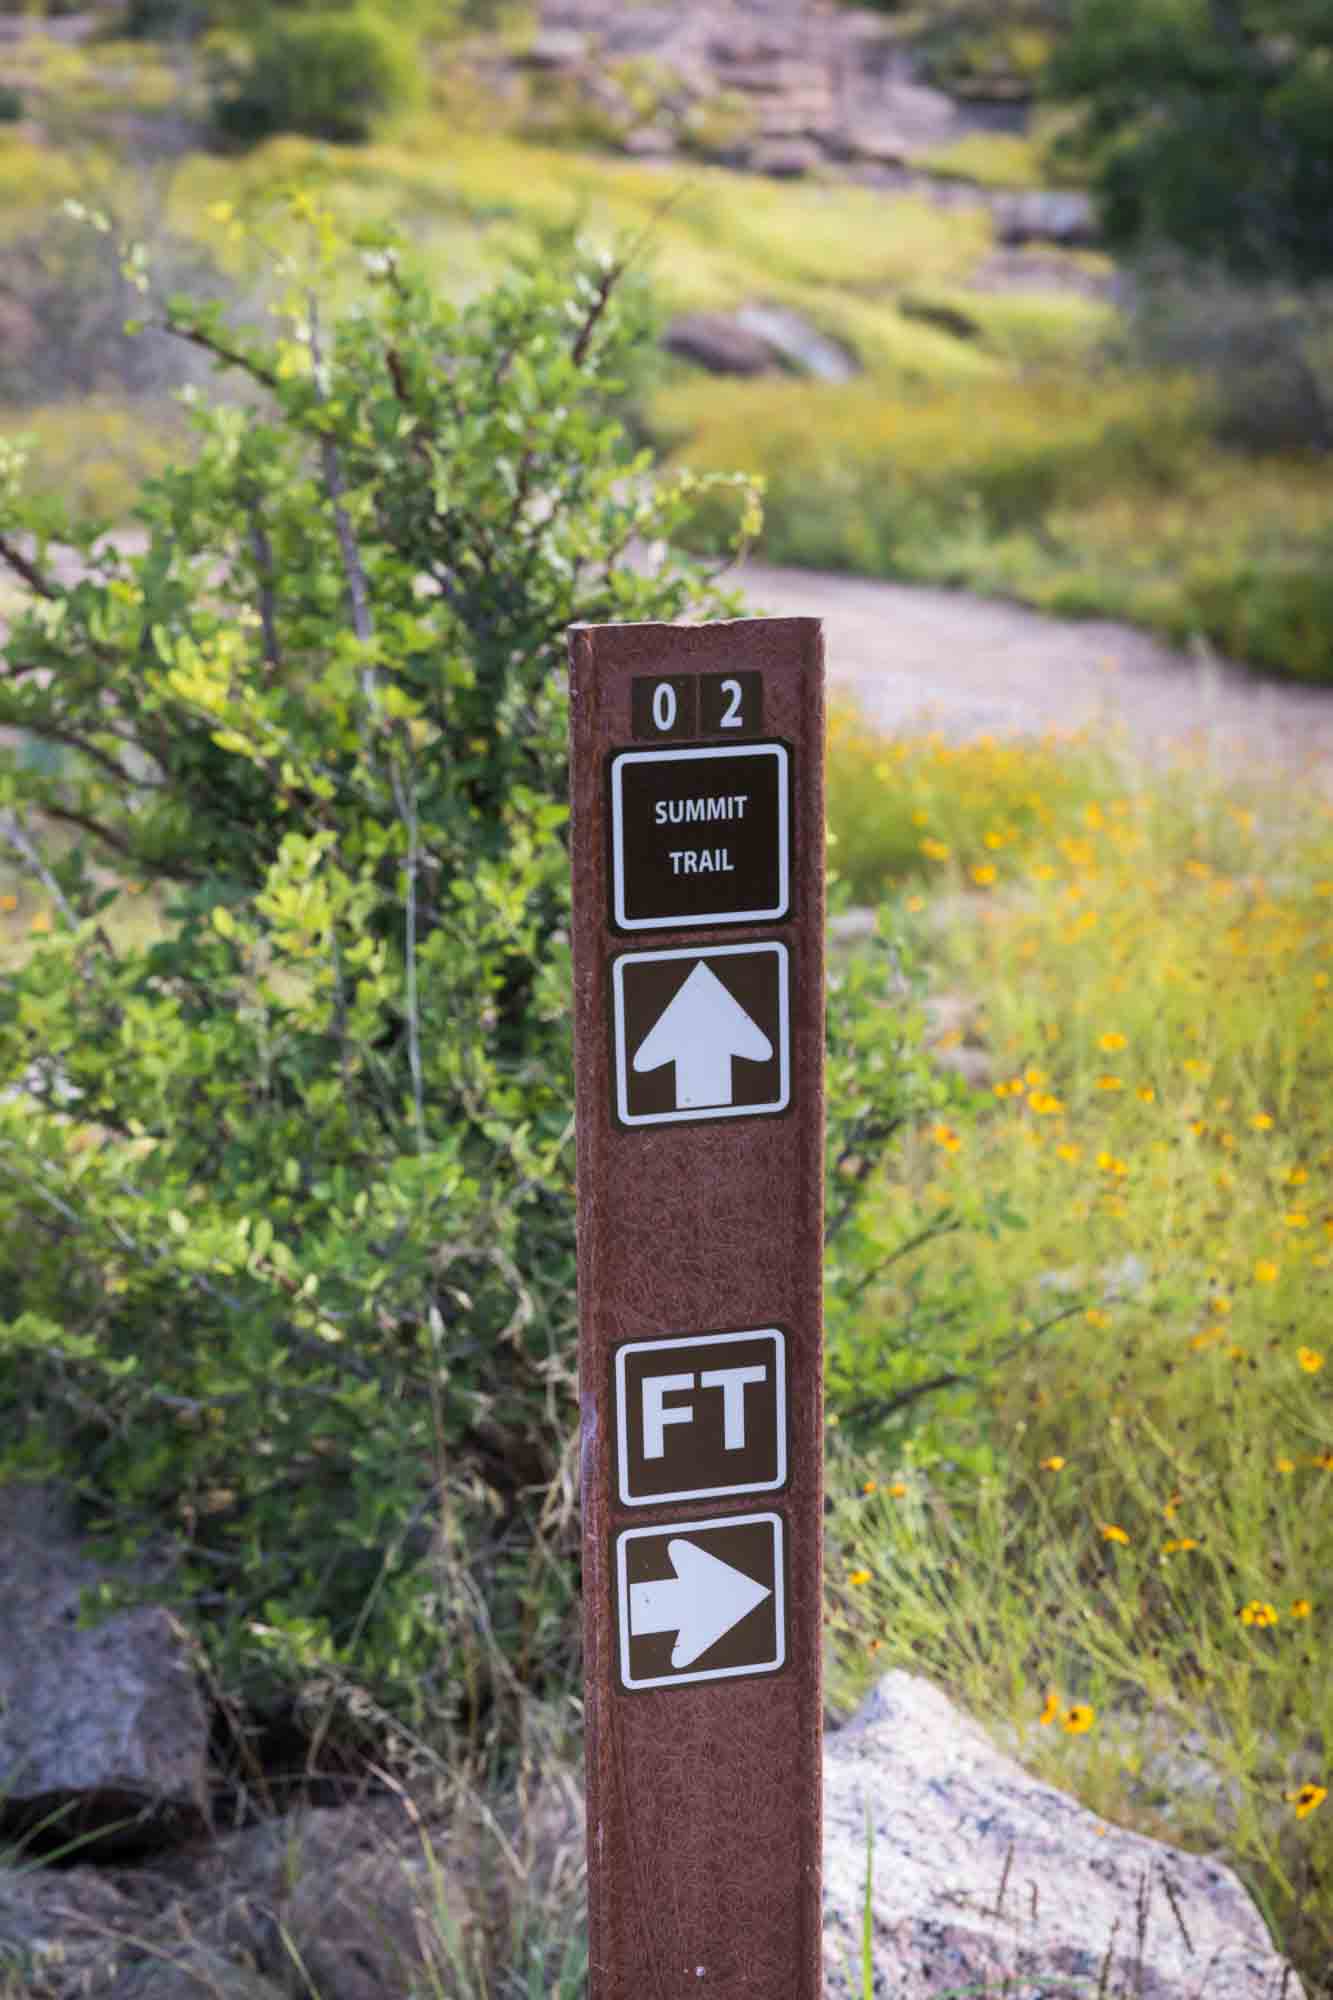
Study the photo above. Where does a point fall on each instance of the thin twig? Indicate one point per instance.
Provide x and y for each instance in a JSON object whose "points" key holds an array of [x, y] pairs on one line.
{"points": [[358, 592], [262, 550], [13, 831]]}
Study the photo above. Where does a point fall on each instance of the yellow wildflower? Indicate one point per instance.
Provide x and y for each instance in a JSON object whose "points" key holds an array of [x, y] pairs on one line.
{"points": [[870, 1486], [1051, 1709], [1306, 1798], [1285, 1464], [898, 1490], [1069, 1152], [1096, 1317], [1297, 1176], [41, 922], [935, 850], [1257, 1612], [1301, 1608], [1311, 1359], [1054, 1463], [1182, 1542], [1112, 1041], [1265, 1271], [1110, 1083], [859, 1576], [944, 1135], [1034, 1078], [983, 874], [1079, 1719], [8, 903], [1261, 1122], [1296, 1218], [1111, 1533], [1147, 1095]]}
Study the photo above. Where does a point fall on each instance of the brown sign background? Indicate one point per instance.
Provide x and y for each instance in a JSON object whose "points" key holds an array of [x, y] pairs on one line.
{"points": [[703, 1798], [759, 982]]}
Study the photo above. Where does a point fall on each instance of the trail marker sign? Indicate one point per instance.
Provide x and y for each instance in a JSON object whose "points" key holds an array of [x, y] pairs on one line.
{"points": [[702, 1034], [703, 1602], [702, 1417], [697, 847]]}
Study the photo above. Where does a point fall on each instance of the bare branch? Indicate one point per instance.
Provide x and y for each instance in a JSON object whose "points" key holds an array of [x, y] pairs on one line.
{"points": [[28, 570]]}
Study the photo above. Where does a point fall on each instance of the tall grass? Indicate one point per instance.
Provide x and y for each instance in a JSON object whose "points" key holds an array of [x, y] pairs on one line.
{"points": [[1122, 1549]]}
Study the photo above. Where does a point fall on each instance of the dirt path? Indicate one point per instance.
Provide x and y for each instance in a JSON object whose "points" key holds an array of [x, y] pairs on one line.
{"points": [[971, 666]]}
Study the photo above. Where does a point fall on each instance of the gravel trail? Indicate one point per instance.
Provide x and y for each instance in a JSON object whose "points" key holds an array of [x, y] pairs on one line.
{"points": [[915, 656]]}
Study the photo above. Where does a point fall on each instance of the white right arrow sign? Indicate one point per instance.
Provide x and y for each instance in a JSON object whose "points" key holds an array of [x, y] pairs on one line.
{"points": [[702, 1031], [700, 1603]]}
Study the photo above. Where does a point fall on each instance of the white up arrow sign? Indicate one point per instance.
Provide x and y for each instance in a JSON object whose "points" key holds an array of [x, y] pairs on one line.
{"points": [[702, 1031], [700, 1603]]}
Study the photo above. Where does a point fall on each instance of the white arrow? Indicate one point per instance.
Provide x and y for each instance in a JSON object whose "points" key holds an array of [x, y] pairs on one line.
{"points": [[700, 1603], [702, 1031]]}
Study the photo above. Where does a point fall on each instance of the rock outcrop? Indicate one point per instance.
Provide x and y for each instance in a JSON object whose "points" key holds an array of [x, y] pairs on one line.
{"points": [[985, 1880], [103, 1730]]}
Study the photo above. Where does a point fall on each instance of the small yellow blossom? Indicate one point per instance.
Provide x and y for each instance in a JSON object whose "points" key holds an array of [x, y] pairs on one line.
{"points": [[41, 922], [1220, 1305], [916, 904], [1235, 1354], [1209, 1337], [1296, 1218], [1324, 1460], [1112, 1041], [1257, 1612], [859, 1576], [1193, 1066], [898, 1490], [944, 1135], [1297, 1176], [1311, 1359], [1046, 1106], [1034, 1078], [1181, 1543], [870, 1486], [1051, 1709], [1265, 1271], [983, 874], [1301, 1608], [1110, 1083], [1069, 1152], [1096, 1317], [1079, 1719], [935, 850], [8, 903], [1170, 1507], [1285, 1464], [1146, 1093], [1306, 1798], [1111, 1533], [874, 1645], [1054, 1463], [1261, 1122]]}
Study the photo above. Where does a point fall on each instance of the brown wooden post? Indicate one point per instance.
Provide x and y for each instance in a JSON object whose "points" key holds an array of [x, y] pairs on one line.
{"points": [[698, 858]]}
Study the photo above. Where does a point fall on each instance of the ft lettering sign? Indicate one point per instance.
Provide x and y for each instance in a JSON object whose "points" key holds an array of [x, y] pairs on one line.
{"points": [[697, 849]]}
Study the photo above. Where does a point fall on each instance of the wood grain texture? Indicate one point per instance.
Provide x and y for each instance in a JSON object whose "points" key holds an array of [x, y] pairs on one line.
{"points": [[703, 1800]]}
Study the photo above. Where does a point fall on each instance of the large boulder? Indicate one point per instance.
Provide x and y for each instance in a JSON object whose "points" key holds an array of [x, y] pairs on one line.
{"points": [[1043, 215], [983, 1879], [103, 1731]]}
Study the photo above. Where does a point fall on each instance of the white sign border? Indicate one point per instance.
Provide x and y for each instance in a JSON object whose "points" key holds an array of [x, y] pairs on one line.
{"points": [[688, 919], [706, 1111], [779, 1339], [684, 1529]]}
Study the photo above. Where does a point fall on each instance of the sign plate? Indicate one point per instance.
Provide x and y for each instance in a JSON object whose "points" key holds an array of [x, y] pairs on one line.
{"points": [[700, 836], [702, 1034], [701, 1417], [703, 1601]]}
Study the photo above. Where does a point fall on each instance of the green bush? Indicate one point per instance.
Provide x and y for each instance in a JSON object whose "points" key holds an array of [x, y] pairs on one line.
{"points": [[330, 75], [286, 1189]]}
